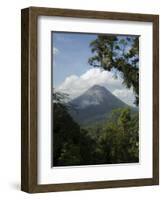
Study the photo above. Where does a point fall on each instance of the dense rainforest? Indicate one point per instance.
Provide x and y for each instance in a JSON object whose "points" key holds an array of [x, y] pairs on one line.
{"points": [[114, 141]]}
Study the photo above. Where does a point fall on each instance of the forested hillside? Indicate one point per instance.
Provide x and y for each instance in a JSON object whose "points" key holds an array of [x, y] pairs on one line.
{"points": [[114, 141]]}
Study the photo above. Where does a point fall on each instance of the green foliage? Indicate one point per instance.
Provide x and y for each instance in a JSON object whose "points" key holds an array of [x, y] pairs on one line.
{"points": [[109, 53], [115, 141], [71, 144], [119, 139]]}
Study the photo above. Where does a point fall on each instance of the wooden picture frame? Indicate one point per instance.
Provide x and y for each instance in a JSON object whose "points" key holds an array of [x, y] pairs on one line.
{"points": [[29, 87]]}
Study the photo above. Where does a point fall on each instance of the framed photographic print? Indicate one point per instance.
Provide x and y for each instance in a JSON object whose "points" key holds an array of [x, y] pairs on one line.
{"points": [[90, 100]]}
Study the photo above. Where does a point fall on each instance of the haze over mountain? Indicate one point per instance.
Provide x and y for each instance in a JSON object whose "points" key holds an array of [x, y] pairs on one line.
{"points": [[94, 105]]}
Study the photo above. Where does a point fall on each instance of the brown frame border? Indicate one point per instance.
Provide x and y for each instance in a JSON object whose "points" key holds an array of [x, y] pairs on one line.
{"points": [[29, 98]]}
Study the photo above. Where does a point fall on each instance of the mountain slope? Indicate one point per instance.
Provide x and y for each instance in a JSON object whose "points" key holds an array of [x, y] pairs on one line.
{"points": [[94, 105]]}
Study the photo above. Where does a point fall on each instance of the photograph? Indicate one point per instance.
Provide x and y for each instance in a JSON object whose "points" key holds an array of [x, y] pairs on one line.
{"points": [[95, 99], [89, 99]]}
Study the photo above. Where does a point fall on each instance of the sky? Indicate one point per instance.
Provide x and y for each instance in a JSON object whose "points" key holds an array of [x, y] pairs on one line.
{"points": [[71, 52], [73, 75]]}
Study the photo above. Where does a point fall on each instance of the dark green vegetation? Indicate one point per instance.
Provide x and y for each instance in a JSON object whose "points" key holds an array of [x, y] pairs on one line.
{"points": [[113, 141]]}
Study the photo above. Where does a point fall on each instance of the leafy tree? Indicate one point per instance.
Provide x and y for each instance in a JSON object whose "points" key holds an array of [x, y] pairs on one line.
{"points": [[71, 144], [111, 52], [119, 139]]}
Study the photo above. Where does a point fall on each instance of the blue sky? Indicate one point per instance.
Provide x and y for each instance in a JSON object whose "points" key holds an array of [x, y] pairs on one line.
{"points": [[71, 55], [73, 75]]}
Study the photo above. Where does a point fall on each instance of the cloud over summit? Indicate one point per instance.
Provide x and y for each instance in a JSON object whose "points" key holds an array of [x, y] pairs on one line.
{"points": [[75, 85]]}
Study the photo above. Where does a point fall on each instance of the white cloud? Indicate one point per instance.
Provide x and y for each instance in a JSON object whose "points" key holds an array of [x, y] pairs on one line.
{"points": [[125, 95], [76, 85], [55, 51]]}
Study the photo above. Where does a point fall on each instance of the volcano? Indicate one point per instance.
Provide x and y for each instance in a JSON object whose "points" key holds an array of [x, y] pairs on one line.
{"points": [[93, 105]]}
